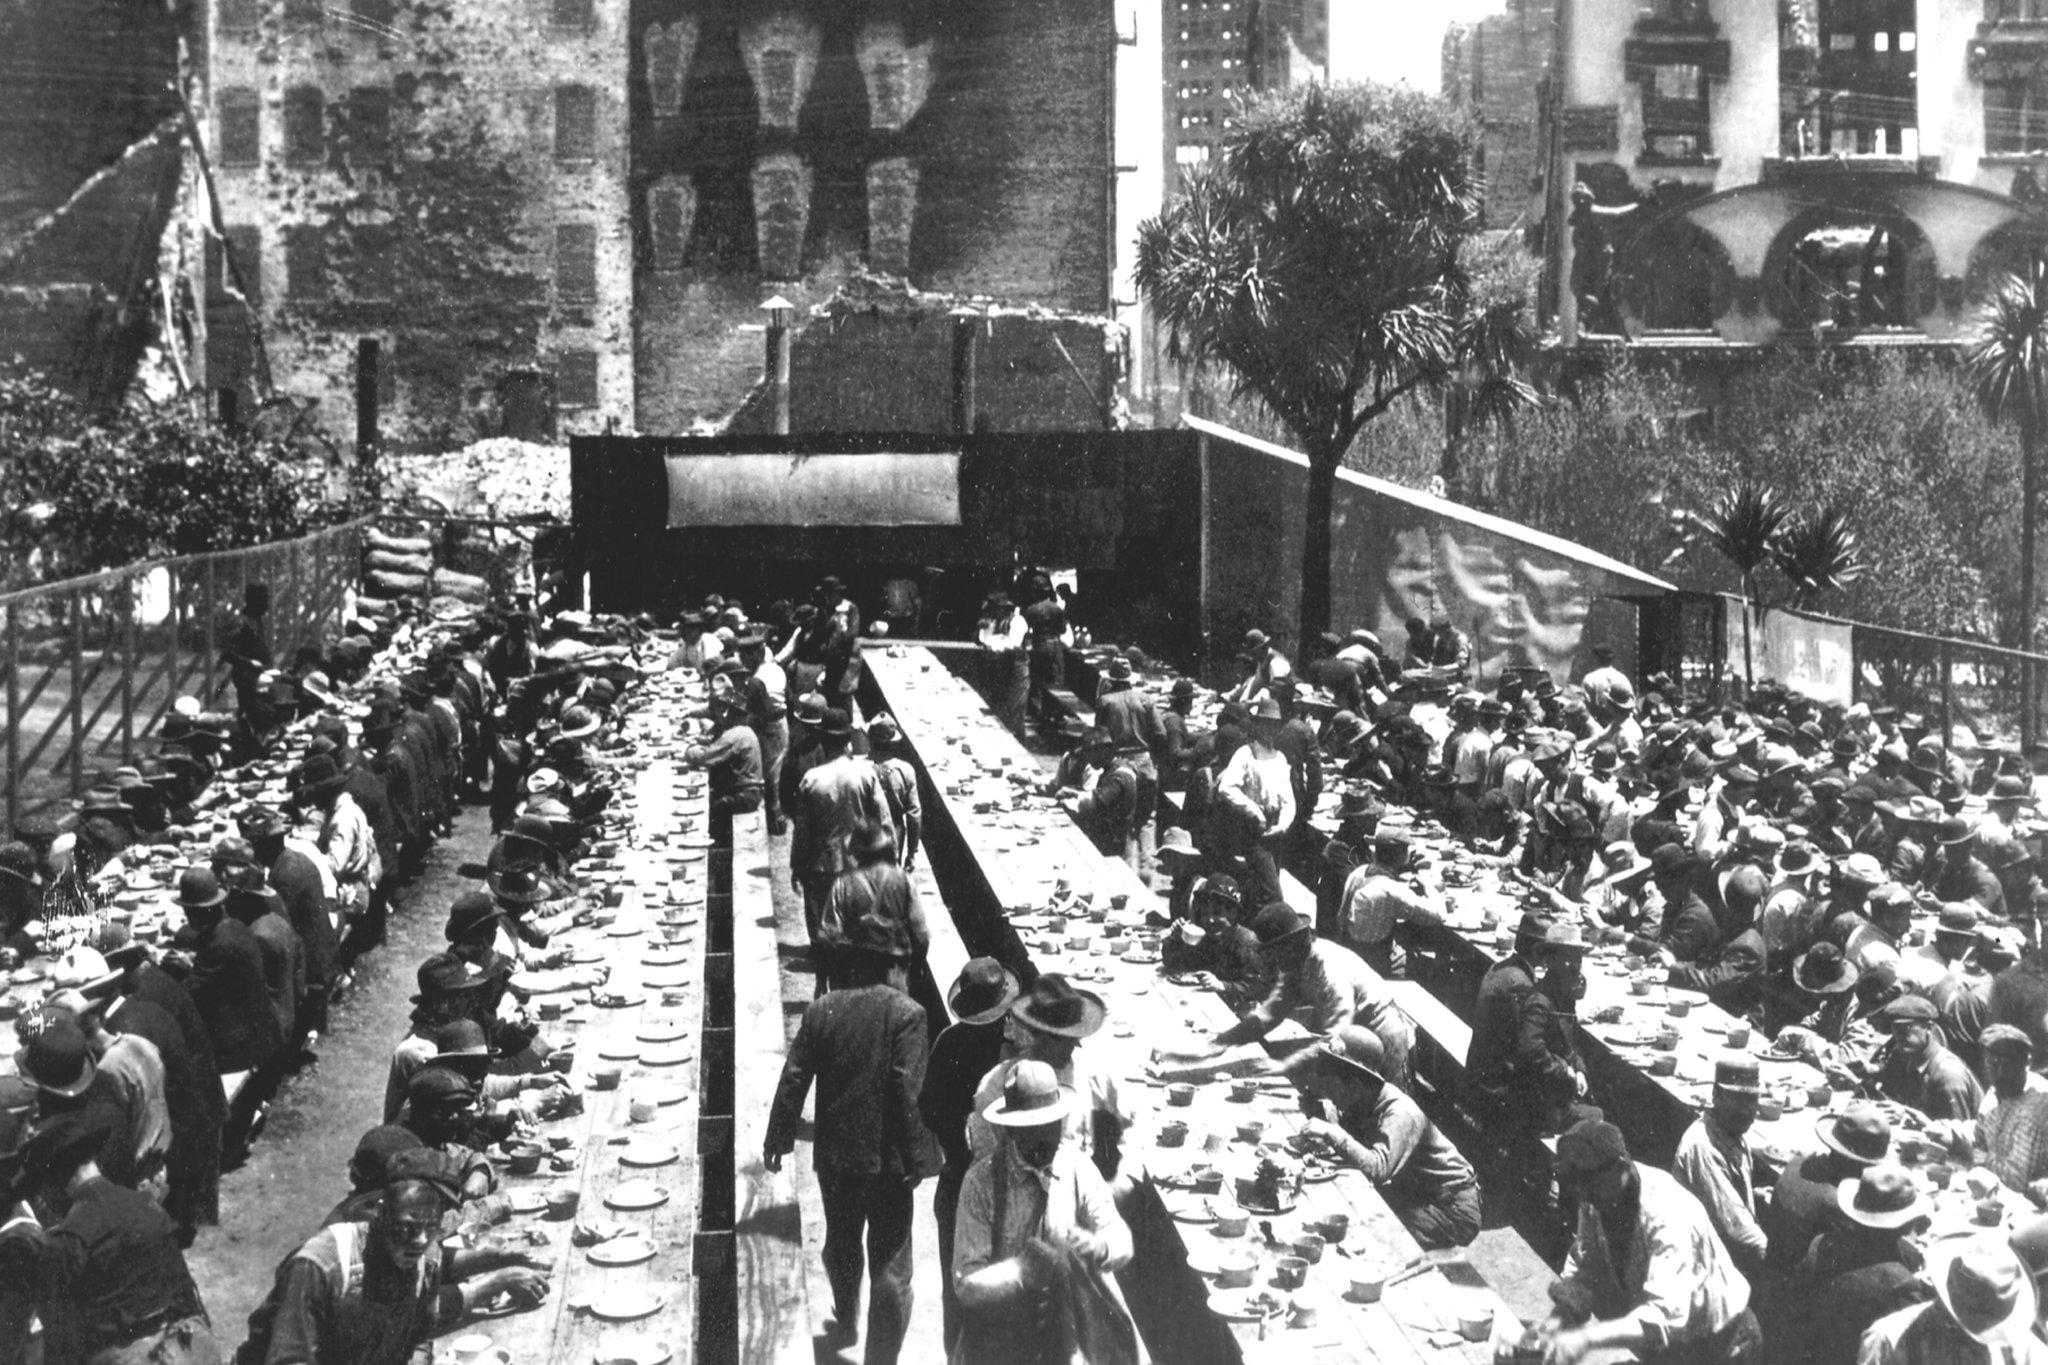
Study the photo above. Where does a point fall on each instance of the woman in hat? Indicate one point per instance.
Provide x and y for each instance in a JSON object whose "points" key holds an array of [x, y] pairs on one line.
{"points": [[1035, 1218]]}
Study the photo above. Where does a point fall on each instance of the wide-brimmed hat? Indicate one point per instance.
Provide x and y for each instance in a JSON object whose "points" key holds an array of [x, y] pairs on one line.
{"points": [[1822, 970], [1883, 1196], [1053, 1005], [1985, 1287], [447, 974], [198, 889], [1860, 869], [1959, 918], [1625, 864], [1861, 1133], [835, 724], [471, 911], [1541, 930], [318, 778], [57, 1058], [1956, 829], [1253, 642], [578, 722], [1798, 858], [261, 822], [1032, 1097], [1178, 843], [2010, 788], [1277, 923], [1265, 715], [983, 992], [522, 884], [462, 1045], [1350, 1051], [1119, 669]]}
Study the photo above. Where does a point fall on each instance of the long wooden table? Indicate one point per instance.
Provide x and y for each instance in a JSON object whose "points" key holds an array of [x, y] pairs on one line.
{"points": [[1024, 851], [663, 875]]}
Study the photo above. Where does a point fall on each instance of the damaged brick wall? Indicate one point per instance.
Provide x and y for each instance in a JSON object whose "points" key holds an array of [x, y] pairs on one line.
{"points": [[785, 147], [448, 178]]}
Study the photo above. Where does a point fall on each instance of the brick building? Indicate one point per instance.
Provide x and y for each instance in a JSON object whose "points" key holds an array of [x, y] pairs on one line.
{"points": [[1770, 170]]}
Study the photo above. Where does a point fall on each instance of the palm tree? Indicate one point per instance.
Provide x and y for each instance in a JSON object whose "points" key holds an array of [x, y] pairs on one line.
{"points": [[1745, 526], [1323, 261], [2008, 367], [1817, 553]]}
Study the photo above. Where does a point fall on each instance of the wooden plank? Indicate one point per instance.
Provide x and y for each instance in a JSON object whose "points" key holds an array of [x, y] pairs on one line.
{"points": [[774, 1299]]}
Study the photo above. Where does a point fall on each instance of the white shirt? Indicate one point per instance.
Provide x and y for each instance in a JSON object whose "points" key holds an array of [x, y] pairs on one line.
{"points": [[1263, 786]]}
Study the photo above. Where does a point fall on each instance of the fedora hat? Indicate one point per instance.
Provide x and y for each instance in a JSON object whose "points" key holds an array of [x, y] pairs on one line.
{"points": [[1052, 1005], [1254, 641], [1956, 829], [983, 992], [471, 911], [2011, 789], [1279, 923], [1822, 970], [1625, 864], [1985, 1287], [1540, 930], [318, 778], [1354, 802], [446, 973], [579, 722], [1883, 1196], [57, 1058], [883, 729], [835, 724], [1861, 1133], [1032, 1097], [1178, 843], [1265, 715], [522, 884], [1392, 850], [1860, 869], [1799, 857], [198, 889], [261, 822], [462, 1044]]}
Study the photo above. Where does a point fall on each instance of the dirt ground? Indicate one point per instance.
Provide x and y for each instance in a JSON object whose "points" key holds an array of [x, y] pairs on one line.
{"points": [[298, 1168]]}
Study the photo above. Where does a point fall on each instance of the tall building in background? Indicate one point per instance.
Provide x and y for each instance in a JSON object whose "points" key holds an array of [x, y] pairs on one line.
{"points": [[1218, 50]]}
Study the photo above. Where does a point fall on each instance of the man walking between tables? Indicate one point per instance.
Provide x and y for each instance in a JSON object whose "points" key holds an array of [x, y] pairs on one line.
{"points": [[767, 706], [865, 1044], [840, 795]]}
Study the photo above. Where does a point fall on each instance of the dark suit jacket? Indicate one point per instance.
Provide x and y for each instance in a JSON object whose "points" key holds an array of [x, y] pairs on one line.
{"points": [[193, 1096], [284, 968], [368, 790], [298, 884], [1521, 1055], [1732, 977], [1689, 930], [152, 984], [229, 992], [866, 1047]]}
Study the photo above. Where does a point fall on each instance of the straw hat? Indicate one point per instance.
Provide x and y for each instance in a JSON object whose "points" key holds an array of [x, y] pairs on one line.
{"points": [[1985, 1288], [1883, 1196], [1032, 1097]]}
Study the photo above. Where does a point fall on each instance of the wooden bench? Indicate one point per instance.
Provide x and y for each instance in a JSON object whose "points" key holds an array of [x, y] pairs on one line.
{"points": [[775, 1301]]}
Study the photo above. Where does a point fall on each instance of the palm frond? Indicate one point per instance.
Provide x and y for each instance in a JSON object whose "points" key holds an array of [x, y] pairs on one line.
{"points": [[2007, 364], [1818, 553]]}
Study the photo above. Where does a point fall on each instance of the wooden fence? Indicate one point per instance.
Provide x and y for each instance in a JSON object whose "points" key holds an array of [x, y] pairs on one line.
{"points": [[92, 664]]}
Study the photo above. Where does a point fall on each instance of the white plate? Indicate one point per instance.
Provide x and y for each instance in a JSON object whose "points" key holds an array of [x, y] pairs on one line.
{"points": [[526, 1201], [622, 1251], [664, 957], [629, 1348], [664, 1094], [618, 1050], [637, 1194], [639, 1153], [664, 1054], [662, 1031], [1234, 1305], [625, 930], [626, 1302], [619, 1000]]}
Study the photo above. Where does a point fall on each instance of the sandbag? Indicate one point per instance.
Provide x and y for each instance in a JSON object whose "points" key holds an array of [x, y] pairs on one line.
{"points": [[469, 587], [398, 545], [396, 584], [374, 608], [394, 562]]}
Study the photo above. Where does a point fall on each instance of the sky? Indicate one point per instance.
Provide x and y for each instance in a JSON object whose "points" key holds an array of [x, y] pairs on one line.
{"points": [[1396, 40]]}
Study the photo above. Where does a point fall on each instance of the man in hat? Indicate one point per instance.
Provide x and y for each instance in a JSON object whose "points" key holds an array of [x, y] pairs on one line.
{"points": [[1210, 942], [372, 1293], [1789, 917], [1363, 1122], [441, 1110], [887, 751], [1176, 745], [1380, 893], [838, 794], [1109, 806], [875, 884], [1688, 931], [1983, 1311], [1646, 1271], [1323, 985], [1855, 1274], [245, 649], [452, 992], [764, 701], [304, 881], [1130, 719], [58, 1062], [1048, 1023], [965, 1051], [526, 930], [349, 842], [224, 973], [1253, 806], [1717, 1163], [1959, 874], [110, 1283], [865, 1044], [736, 763], [284, 960], [135, 1066], [1915, 1069], [1263, 664], [1603, 678], [1002, 632], [697, 648], [1034, 1212], [1804, 1203]]}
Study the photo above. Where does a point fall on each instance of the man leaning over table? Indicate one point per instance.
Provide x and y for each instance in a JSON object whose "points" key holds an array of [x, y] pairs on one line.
{"points": [[1324, 985], [1916, 1070], [1426, 1181], [1646, 1271]]}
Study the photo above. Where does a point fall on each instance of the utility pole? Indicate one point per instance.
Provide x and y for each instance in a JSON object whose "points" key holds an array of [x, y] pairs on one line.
{"points": [[1557, 196], [781, 312]]}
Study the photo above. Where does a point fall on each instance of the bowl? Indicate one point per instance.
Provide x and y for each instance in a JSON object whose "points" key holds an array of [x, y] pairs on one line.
{"points": [[1475, 1324], [606, 1077], [1677, 1008], [1180, 1093], [1664, 1064], [1233, 1224], [1366, 1285], [1289, 1272], [524, 1158], [1205, 1179], [1234, 1268], [1309, 1246], [1335, 1228], [1251, 1130], [1243, 1090], [1173, 1134]]}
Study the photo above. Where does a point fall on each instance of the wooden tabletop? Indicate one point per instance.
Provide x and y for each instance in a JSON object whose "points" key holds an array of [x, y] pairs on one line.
{"points": [[1026, 850], [663, 876]]}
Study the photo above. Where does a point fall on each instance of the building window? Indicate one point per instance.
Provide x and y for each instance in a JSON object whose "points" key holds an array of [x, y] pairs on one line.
{"points": [[576, 379], [244, 246], [375, 248], [1675, 112], [575, 263], [369, 122], [240, 16], [305, 264], [305, 119], [2016, 115], [1868, 57], [575, 123], [574, 14], [241, 127]]}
